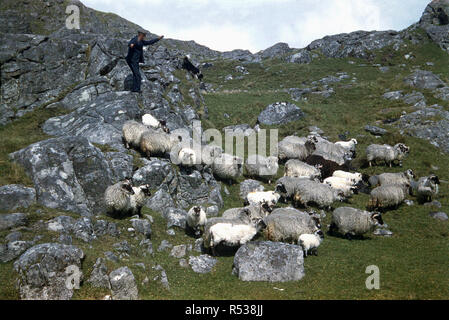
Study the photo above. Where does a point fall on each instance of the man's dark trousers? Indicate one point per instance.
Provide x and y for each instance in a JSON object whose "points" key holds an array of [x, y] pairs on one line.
{"points": [[137, 79]]}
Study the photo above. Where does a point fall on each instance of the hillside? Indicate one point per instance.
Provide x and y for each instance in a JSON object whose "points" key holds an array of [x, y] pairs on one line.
{"points": [[63, 107]]}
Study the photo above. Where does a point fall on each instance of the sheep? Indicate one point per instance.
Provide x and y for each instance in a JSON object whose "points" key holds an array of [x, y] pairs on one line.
{"points": [[150, 121], [263, 167], [138, 199], [231, 232], [227, 167], [287, 224], [308, 192], [311, 242], [296, 168], [270, 198], [400, 178], [351, 222], [286, 186], [132, 133], [387, 196], [332, 152], [328, 167], [296, 150], [427, 187], [187, 157], [157, 143], [386, 153], [258, 211], [346, 186], [356, 177], [348, 145], [117, 198], [196, 219]]}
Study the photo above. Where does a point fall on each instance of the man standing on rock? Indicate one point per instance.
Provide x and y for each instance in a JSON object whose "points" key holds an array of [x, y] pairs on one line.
{"points": [[135, 56]]}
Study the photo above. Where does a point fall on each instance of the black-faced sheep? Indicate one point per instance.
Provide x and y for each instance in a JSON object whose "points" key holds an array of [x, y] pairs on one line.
{"points": [[386, 153], [196, 219], [154, 143], [310, 242], [350, 222], [346, 186], [138, 199], [287, 149], [150, 121], [117, 198], [427, 187], [399, 178], [258, 198]]}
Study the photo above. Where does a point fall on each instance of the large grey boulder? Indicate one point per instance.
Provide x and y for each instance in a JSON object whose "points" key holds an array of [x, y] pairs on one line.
{"points": [[49, 271], [435, 21], [276, 51], [13, 249], [175, 217], [123, 284], [248, 186], [155, 172], [203, 263], [100, 121], [303, 56], [424, 80], [269, 261], [69, 173], [13, 220], [99, 277], [121, 165], [15, 196], [142, 226], [280, 113]]}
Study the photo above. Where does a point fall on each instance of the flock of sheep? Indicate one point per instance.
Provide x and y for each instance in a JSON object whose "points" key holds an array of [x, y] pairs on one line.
{"points": [[317, 174]]}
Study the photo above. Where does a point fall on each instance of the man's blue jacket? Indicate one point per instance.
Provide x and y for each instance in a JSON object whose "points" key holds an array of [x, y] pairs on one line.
{"points": [[135, 54]]}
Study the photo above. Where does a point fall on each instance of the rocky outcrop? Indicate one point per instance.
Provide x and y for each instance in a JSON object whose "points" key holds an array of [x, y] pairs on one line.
{"points": [[69, 173], [13, 220], [280, 113], [269, 261], [49, 271], [435, 21], [15, 196], [424, 80], [123, 284]]}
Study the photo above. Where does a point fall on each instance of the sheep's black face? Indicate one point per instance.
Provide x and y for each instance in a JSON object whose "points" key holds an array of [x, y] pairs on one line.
{"points": [[128, 187], [320, 233], [146, 190], [280, 188], [260, 225], [377, 216], [317, 222], [411, 174], [435, 179], [355, 190], [197, 211]]}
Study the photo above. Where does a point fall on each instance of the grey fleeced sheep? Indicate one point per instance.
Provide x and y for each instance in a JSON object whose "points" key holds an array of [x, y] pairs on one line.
{"points": [[157, 143], [248, 212], [287, 186], [227, 167], [117, 198], [399, 178], [427, 188], [290, 148], [299, 169], [139, 198], [132, 133], [258, 166], [310, 192], [387, 196], [386, 153], [351, 222], [287, 224]]}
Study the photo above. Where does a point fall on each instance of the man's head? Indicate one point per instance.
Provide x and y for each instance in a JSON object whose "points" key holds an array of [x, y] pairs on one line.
{"points": [[141, 35]]}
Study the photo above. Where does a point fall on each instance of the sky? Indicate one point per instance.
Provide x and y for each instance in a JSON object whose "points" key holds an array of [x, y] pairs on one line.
{"points": [[255, 25]]}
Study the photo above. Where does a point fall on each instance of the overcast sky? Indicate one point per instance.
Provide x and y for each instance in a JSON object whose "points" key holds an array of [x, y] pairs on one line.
{"points": [[257, 24]]}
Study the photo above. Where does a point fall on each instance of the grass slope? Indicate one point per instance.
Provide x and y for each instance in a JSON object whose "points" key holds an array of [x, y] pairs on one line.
{"points": [[413, 263]]}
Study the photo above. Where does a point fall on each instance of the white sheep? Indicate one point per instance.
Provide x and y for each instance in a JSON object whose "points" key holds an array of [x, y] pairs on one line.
{"points": [[347, 186], [299, 169], [227, 167], [196, 219], [263, 167], [132, 133], [387, 196], [256, 198], [150, 121], [357, 177], [311, 242], [117, 198], [138, 199], [157, 143], [187, 157], [348, 145], [386, 153]]}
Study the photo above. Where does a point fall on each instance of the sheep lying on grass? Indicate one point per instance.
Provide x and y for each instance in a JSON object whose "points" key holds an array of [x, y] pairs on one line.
{"points": [[351, 222], [386, 153], [299, 169], [255, 198], [387, 196], [258, 166], [296, 150], [311, 242]]}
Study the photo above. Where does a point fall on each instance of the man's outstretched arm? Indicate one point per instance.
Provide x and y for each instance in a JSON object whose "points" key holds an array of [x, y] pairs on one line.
{"points": [[153, 41]]}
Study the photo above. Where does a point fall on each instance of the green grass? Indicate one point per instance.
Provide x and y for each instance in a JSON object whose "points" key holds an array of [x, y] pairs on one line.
{"points": [[413, 263]]}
